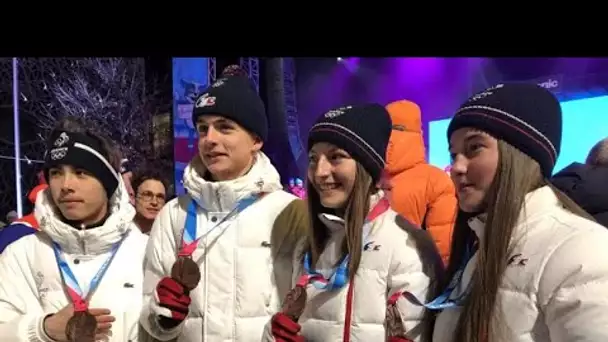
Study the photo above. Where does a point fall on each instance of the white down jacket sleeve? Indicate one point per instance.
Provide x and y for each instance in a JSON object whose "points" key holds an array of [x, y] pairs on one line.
{"points": [[21, 315], [574, 289], [160, 251], [406, 274]]}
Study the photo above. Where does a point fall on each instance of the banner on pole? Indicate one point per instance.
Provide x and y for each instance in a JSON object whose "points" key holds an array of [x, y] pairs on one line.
{"points": [[190, 77]]}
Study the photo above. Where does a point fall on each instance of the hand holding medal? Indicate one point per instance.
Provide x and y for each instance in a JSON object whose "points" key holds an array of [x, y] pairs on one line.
{"points": [[174, 292], [186, 272], [87, 326], [80, 323], [294, 303]]}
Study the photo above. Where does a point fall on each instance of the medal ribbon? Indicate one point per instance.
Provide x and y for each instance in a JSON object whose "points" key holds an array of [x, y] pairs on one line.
{"points": [[443, 301], [79, 299], [339, 277], [189, 240]]}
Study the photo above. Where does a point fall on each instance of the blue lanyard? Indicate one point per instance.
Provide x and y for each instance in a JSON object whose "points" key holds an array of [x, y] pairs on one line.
{"points": [[339, 276], [443, 301], [189, 239], [77, 295]]}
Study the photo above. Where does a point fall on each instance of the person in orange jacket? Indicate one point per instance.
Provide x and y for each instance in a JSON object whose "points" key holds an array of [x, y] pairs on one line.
{"points": [[422, 193]]}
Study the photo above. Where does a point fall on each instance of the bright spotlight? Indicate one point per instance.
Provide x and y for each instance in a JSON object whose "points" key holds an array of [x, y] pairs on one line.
{"points": [[339, 59]]}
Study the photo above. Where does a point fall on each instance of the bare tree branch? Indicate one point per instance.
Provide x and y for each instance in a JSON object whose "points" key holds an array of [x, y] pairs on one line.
{"points": [[111, 93]]}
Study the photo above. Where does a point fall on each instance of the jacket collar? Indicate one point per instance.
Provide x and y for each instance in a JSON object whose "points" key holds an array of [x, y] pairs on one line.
{"points": [[222, 196], [90, 241], [536, 203], [335, 223]]}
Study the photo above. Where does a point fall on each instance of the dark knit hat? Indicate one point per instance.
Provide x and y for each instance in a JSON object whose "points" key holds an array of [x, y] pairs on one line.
{"points": [[235, 98], [361, 130], [527, 116], [82, 152]]}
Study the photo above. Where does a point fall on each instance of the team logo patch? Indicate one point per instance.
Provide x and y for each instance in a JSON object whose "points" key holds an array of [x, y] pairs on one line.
{"points": [[205, 101]]}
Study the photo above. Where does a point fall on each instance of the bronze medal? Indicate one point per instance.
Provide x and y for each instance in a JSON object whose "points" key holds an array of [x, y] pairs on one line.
{"points": [[81, 327], [394, 324], [186, 272], [293, 305]]}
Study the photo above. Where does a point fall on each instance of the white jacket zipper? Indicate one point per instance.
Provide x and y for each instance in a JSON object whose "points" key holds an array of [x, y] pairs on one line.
{"points": [[219, 200], [83, 230]]}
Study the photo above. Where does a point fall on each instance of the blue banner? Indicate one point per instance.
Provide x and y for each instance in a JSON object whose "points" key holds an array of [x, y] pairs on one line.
{"points": [[190, 77]]}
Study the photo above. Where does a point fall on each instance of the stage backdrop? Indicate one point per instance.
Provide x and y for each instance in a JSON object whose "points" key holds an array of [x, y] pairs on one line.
{"points": [[584, 124], [190, 77]]}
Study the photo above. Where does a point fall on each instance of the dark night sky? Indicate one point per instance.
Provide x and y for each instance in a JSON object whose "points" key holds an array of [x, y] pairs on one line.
{"points": [[158, 65]]}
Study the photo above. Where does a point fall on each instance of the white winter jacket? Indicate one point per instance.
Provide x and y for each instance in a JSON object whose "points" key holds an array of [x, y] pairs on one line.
{"points": [[556, 285], [238, 292], [389, 263], [31, 285]]}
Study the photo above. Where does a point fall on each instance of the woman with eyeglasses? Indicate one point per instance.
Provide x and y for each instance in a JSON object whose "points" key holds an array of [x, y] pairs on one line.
{"points": [[150, 196]]}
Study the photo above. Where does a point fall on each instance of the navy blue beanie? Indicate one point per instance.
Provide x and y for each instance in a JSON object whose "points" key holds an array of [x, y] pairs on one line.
{"points": [[234, 97], [361, 130], [527, 116]]}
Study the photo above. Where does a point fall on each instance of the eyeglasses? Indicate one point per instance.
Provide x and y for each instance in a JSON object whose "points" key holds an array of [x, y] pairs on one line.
{"points": [[148, 196]]}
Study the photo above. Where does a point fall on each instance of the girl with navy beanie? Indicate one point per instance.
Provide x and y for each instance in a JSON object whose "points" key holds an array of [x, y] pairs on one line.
{"points": [[360, 256], [527, 263]]}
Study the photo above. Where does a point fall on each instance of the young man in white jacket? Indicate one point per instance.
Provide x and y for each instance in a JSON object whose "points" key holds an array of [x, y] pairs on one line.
{"points": [[78, 278], [217, 268]]}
